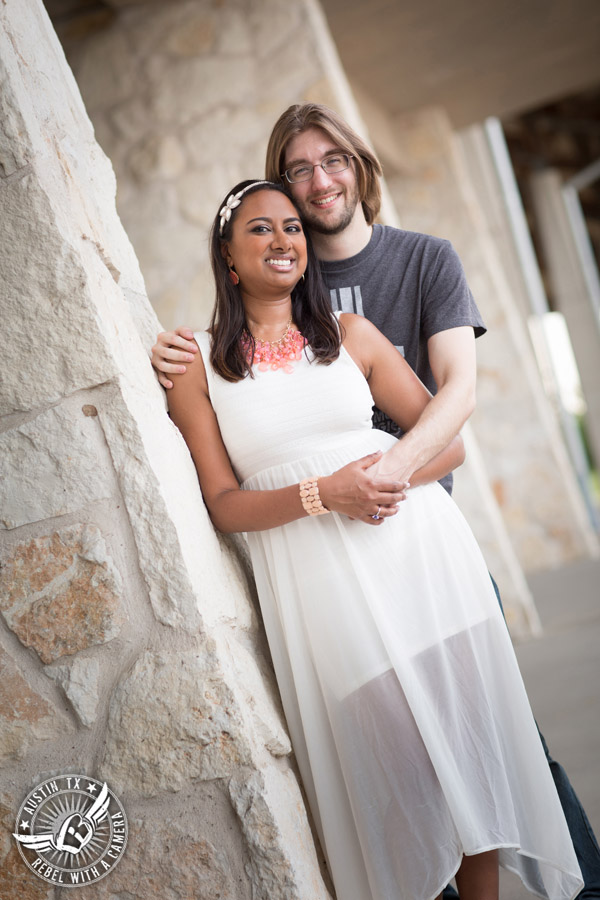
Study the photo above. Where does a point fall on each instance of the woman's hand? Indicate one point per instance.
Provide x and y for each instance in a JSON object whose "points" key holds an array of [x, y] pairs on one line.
{"points": [[357, 492], [173, 347]]}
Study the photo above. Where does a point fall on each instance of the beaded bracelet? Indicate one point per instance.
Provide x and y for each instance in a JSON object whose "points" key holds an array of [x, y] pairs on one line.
{"points": [[311, 501]]}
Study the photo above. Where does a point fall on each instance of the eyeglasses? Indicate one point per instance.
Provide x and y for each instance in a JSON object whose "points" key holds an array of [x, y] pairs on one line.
{"points": [[337, 162]]}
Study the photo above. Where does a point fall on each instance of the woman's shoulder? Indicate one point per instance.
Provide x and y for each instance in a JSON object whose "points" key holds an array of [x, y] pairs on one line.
{"points": [[356, 326]]}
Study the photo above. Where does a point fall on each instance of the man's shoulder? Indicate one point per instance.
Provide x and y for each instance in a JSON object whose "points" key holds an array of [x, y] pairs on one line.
{"points": [[412, 240]]}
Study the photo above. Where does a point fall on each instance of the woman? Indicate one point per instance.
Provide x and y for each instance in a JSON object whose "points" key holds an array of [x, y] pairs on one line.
{"points": [[409, 720]]}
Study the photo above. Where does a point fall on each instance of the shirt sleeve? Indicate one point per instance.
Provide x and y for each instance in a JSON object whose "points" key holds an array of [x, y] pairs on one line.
{"points": [[447, 301]]}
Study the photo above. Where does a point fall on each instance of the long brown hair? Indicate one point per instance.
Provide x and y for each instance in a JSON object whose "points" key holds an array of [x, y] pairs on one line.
{"points": [[311, 307], [299, 118]]}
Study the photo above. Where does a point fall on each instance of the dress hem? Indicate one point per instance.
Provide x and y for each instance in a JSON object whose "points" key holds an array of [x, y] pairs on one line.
{"points": [[512, 869]]}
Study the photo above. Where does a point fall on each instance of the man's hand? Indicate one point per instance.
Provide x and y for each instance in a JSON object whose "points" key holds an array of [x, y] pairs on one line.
{"points": [[395, 465], [172, 347], [357, 493]]}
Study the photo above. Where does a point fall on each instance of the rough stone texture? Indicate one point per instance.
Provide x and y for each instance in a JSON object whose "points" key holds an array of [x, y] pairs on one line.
{"points": [[50, 314], [190, 579], [25, 716], [80, 683], [256, 691], [190, 94], [168, 858], [61, 593], [172, 719], [31, 244], [277, 876], [17, 881], [38, 480]]}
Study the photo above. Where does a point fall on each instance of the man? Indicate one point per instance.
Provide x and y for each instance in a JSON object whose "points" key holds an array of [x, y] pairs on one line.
{"points": [[413, 288]]}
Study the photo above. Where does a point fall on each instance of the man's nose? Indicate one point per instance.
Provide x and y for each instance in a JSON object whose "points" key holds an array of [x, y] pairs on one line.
{"points": [[320, 178]]}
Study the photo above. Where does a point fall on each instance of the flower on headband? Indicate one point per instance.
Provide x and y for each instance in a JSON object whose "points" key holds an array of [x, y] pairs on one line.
{"points": [[232, 201]]}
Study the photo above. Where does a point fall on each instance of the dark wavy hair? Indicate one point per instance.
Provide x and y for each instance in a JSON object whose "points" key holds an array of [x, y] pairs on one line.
{"points": [[311, 307]]}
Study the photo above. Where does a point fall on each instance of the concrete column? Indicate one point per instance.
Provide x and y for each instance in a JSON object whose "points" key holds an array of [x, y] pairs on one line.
{"points": [[570, 290]]}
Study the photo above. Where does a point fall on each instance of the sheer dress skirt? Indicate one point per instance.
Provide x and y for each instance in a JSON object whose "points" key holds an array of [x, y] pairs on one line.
{"points": [[403, 697], [405, 704]]}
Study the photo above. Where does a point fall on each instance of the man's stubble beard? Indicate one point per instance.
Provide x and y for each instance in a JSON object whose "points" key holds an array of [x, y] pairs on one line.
{"points": [[314, 223]]}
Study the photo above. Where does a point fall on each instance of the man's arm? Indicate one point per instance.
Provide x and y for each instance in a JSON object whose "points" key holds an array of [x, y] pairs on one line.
{"points": [[453, 363]]}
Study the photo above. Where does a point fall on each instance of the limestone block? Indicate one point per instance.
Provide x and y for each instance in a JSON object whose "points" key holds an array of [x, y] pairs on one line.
{"points": [[257, 697], [130, 120], [293, 68], [193, 33], [14, 155], [173, 719], [25, 716], [156, 203], [275, 27], [233, 36], [187, 575], [61, 593], [160, 156], [283, 862], [110, 53], [66, 197], [41, 278], [165, 251], [169, 858], [52, 465], [17, 881], [207, 147], [199, 194], [80, 683], [193, 86]]}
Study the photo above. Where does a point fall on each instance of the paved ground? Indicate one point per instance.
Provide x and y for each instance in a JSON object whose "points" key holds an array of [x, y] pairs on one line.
{"points": [[561, 670]]}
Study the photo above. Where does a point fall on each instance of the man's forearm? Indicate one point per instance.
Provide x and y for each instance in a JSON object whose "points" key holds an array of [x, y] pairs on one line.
{"points": [[438, 425]]}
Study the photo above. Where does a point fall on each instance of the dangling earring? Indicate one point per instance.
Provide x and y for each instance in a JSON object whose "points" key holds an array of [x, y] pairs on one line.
{"points": [[233, 275], [302, 279]]}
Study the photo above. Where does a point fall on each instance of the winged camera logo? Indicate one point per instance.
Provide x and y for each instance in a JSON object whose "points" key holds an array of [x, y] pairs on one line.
{"points": [[71, 830]]}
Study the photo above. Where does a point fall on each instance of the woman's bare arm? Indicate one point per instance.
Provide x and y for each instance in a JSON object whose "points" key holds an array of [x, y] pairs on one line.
{"points": [[347, 491]]}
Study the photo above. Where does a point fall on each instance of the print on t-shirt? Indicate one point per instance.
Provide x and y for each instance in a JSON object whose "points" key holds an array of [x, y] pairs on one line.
{"points": [[347, 299]]}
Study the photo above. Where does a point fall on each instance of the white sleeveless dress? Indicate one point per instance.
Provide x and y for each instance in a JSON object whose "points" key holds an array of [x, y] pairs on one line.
{"points": [[406, 708]]}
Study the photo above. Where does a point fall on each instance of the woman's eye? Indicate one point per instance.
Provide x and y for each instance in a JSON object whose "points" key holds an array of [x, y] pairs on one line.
{"points": [[260, 229]]}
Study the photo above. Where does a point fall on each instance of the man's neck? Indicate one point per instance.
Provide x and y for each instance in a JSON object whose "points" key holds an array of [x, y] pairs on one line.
{"points": [[347, 243]]}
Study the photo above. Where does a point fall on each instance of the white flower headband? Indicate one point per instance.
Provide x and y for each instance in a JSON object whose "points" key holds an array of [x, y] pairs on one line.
{"points": [[232, 201]]}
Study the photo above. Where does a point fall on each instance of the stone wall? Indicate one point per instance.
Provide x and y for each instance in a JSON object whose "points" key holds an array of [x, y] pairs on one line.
{"points": [[130, 646], [183, 97]]}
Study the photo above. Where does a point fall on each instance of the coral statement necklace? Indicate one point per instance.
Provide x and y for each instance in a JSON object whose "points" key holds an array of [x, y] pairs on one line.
{"points": [[274, 354]]}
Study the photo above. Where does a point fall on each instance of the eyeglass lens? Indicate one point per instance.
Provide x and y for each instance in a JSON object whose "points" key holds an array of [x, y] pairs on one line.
{"points": [[330, 165]]}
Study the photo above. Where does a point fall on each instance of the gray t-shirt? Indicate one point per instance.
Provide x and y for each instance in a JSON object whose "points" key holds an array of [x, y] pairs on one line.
{"points": [[411, 286]]}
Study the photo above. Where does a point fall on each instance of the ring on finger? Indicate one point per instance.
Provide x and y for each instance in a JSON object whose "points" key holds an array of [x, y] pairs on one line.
{"points": [[377, 516]]}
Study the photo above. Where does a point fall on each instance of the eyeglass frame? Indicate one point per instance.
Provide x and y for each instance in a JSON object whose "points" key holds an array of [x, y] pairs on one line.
{"points": [[349, 157]]}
